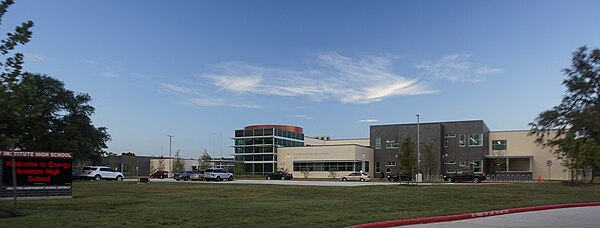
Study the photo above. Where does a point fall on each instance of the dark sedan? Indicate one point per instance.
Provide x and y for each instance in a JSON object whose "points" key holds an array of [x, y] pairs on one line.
{"points": [[183, 175], [279, 175], [399, 177]]}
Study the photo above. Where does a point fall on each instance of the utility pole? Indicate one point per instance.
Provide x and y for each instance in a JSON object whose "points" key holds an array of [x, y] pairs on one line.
{"points": [[418, 148], [170, 159]]}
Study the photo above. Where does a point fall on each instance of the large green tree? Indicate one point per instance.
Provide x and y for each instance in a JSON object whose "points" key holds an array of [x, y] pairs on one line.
{"points": [[431, 163], [38, 112], [407, 157], [178, 163], [12, 91], [577, 117]]}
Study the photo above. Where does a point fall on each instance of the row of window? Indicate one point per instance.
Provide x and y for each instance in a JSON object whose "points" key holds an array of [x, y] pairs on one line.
{"points": [[255, 149], [327, 166], [474, 140], [269, 132], [267, 141], [476, 166], [268, 157], [258, 168]]}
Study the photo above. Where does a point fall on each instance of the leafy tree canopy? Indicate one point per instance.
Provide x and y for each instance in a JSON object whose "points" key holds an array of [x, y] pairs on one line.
{"points": [[38, 112], [572, 128]]}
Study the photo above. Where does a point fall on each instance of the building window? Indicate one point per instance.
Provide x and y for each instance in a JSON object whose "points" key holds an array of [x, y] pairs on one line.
{"points": [[462, 163], [450, 162], [391, 144], [477, 166], [475, 139], [366, 166], [450, 170], [461, 140], [388, 170], [446, 143], [498, 144], [450, 136], [378, 143], [390, 164]]}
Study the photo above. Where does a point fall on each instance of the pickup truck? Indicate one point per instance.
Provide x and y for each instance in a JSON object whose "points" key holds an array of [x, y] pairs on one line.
{"points": [[464, 176]]}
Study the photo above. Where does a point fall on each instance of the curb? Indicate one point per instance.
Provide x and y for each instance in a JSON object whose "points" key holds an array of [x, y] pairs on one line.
{"points": [[447, 218]]}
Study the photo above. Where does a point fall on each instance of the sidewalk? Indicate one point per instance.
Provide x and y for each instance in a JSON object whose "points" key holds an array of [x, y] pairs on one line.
{"points": [[582, 217]]}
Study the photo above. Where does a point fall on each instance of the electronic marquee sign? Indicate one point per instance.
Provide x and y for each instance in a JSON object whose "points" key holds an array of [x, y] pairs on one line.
{"points": [[37, 173]]}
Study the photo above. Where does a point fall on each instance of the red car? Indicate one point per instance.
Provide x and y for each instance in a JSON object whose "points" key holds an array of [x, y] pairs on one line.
{"points": [[160, 174]]}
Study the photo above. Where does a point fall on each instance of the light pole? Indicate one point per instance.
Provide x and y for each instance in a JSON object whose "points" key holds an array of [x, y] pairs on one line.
{"points": [[170, 159], [418, 147]]}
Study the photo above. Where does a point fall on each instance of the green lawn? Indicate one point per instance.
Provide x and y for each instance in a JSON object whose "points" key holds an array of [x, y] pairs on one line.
{"points": [[119, 204]]}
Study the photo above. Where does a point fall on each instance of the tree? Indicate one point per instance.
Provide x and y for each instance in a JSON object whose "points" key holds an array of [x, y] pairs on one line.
{"points": [[160, 166], [205, 161], [333, 173], [130, 163], [305, 172], [577, 117], [178, 163], [431, 165], [37, 112], [111, 159], [14, 111], [407, 158]]}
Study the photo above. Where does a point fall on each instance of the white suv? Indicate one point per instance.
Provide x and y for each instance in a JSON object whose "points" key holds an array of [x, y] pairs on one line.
{"points": [[217, 174], [101, 172]]}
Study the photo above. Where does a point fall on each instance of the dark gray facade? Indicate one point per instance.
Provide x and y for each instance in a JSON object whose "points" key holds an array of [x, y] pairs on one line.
{"points": [[457, 145]]}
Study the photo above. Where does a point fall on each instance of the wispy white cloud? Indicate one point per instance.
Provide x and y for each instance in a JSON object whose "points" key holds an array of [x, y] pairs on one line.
{"points": [[179, 89], [457, 67], [348, 80], [302, 116], [109, 74], [368, 121], [37, 57], [194, 97]]}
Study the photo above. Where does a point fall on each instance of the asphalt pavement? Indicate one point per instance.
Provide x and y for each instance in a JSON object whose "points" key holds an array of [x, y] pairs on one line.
{"points": [[579, 217]]}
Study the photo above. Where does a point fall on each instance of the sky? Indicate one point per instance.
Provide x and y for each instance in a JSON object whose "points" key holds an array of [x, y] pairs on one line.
{"points": [[199, 70]]}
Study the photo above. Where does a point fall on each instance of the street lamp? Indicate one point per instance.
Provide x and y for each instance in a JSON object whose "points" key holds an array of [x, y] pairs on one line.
{"points": [[418, 148], [170, 159]]}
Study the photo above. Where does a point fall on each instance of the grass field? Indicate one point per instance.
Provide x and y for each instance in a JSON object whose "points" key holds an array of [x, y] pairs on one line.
{"points": [[127, 204]]}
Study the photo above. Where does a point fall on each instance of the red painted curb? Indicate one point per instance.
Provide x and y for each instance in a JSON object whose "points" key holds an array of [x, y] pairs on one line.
{"points": [[448, 218]]}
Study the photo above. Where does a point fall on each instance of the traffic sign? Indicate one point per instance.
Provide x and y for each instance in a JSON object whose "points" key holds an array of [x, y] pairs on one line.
{"points": [[549, 163]]}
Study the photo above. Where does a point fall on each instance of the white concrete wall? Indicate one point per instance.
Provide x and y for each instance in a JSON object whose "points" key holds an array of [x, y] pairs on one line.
{"points": [[519, 144]]}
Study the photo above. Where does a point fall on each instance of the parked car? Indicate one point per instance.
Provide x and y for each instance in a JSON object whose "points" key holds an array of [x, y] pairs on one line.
{"points": [[356, 177], [101, 173], [464, 176], [197, 176], [182, 175], [279, 175], [217, 174], [75, 175], [160, 174], [400, 177]]}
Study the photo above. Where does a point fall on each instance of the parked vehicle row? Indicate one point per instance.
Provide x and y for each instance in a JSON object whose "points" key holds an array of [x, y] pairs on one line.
{"points": [[210, 174]]}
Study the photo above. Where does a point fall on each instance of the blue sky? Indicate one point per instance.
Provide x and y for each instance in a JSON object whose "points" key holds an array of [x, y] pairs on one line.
{"points": [[201, 69]]}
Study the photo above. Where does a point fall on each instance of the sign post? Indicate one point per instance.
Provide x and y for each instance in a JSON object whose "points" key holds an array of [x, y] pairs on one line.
{"points": [[549, 164]]}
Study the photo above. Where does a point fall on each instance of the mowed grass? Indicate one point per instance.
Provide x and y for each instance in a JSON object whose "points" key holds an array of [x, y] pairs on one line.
{"points": [[128, 204]]}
